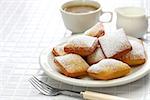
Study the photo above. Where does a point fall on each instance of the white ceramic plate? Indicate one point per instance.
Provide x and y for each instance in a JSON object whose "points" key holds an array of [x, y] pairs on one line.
{"points": [[49, 67]]}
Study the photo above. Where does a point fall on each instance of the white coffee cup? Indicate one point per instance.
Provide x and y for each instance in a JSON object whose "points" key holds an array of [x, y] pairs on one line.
{"points": [[80, 22], [133, 20]]}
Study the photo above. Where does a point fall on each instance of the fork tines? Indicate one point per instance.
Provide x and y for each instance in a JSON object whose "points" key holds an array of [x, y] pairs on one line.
{"points": [[43, 87]]}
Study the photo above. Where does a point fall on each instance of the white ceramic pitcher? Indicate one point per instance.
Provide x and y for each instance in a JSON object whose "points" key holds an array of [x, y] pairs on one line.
{"points": [[133, 20]]}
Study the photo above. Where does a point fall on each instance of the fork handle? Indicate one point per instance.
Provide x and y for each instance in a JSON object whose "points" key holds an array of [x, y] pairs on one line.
{"points": [[99, 96]]}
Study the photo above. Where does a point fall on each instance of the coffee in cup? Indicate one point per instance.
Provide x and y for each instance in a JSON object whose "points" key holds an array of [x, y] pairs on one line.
{"points": [[80, 9], [80, 15]]}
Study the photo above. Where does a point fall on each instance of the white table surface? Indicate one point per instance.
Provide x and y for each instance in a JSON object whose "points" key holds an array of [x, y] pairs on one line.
{"points": [[29, 26]]}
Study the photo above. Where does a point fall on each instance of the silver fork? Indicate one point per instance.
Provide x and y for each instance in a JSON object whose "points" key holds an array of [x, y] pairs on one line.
{"points": [[48, 90]]}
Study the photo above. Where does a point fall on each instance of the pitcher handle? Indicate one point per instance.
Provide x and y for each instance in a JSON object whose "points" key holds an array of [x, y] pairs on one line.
{"points": [[148, 25], [111, 14]]}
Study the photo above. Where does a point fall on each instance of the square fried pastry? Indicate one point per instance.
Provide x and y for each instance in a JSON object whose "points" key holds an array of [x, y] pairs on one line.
{"points": [[108, 69], [115, 45], [59, 50], [137, 55], [96, 56], [71, 65], [96, 31], [81, 44]]}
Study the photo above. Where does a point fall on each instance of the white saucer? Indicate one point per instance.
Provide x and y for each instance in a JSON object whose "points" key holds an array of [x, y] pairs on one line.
{"points": [[49, 67]]}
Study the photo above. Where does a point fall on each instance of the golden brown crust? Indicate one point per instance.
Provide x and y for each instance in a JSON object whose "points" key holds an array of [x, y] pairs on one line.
{"points": [[60, 67], [83, 51], [108, 69], [99, 34], [96, 56], [134, 63], [120, 54], [96, 31], [69, 74], [54, 52], [73, 67], [59, 50], [136, 56], [91, 63], [109, 76]]}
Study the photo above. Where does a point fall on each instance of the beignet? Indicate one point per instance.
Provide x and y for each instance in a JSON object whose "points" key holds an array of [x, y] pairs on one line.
{"points": [[96, 31], [108, 69], [115, 45], [96, 56], [81, 44], [71, 65], [137, 55], [59, 50]]}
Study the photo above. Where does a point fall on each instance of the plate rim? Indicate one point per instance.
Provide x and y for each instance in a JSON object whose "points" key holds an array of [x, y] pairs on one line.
{"points": [[43, 59]]}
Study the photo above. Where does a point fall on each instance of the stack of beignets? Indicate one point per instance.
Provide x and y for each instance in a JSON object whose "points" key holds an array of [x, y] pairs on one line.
{"points": [[98, 54]]}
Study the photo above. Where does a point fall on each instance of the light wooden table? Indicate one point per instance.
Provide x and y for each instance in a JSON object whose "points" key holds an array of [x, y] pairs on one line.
{"points": [[27, 27]]}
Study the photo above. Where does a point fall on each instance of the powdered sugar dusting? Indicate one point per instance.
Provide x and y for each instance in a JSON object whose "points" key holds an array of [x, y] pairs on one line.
{"points": [[137, 50], [96, 56], [106, 64], [115, 42], [96, 29], [72, 62], [82, 41], [60, 49]]}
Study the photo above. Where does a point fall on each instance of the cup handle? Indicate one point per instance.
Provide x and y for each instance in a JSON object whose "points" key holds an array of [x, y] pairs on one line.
{"points": [[111, 14], [148, 25]]}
